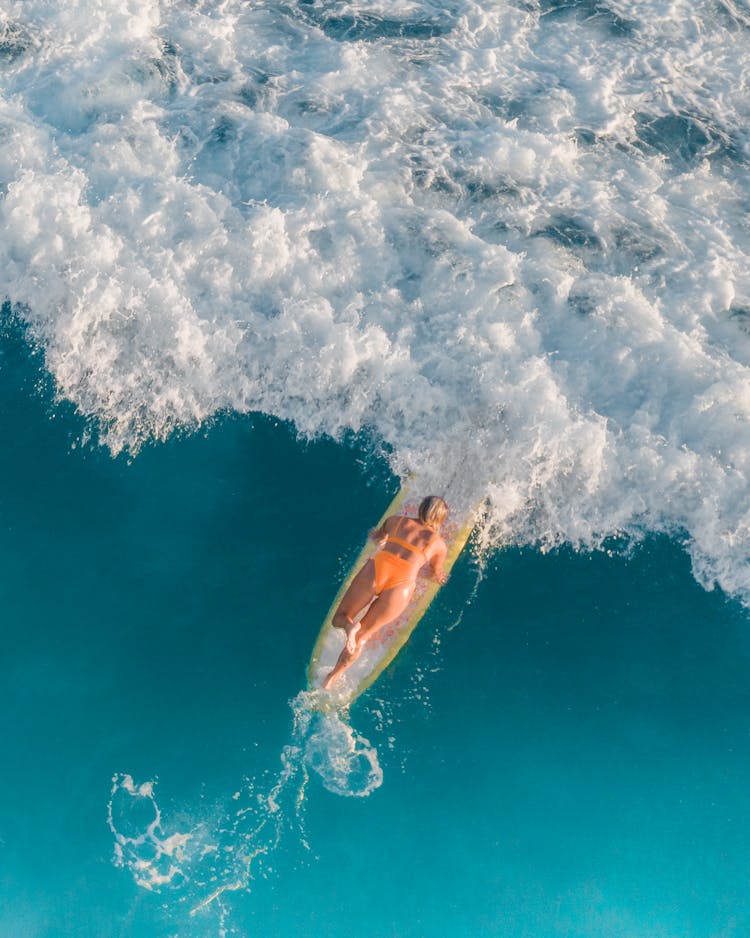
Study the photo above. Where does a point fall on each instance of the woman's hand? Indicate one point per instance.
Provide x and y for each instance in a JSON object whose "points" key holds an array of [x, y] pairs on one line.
{"points": [[442, 578]]}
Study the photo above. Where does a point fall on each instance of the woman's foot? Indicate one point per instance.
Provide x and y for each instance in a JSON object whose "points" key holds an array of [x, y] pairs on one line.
{"points": [[345, 659], [351, 637], [342, 621]]}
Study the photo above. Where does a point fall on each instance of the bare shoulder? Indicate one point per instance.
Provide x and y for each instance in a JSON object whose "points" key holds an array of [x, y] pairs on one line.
{"points": [[436, 546]]}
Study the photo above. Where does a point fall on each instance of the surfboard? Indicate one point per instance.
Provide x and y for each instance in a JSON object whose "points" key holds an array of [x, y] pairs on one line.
{"points": [[383, 647]]}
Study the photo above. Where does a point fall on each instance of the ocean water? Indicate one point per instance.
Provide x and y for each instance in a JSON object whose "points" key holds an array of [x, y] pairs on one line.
{"points": [[259, 261], [562, 749]]}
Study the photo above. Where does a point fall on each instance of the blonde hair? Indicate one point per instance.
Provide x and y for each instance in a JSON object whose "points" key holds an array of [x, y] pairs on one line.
{"points": [[432, 511]]}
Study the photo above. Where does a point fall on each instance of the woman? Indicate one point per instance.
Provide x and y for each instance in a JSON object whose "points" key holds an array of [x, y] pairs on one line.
{"points": [[388, 579]]}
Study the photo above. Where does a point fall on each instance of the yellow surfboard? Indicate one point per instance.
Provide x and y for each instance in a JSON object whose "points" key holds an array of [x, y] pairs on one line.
{"points": [[383, 647]]}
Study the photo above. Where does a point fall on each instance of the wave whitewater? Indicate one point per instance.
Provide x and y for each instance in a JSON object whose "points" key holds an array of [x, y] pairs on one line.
{"points": [[515, 231]]}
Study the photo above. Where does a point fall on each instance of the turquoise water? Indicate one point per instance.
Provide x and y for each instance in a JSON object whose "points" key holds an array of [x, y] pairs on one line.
{"points": [[568, 758]]}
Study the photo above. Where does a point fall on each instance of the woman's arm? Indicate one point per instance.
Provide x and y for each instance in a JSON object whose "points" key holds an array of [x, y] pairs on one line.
{"points": [[437, 560], [377, 534]]}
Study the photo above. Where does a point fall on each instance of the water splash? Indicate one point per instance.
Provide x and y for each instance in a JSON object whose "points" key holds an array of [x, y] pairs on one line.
{"points": [[200, 861], [345, 762]]}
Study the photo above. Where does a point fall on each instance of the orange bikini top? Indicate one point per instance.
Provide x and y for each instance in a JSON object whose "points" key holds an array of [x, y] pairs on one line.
{"points": [[391, 538]]}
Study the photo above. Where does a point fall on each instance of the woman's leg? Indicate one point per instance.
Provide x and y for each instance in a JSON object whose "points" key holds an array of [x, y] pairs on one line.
{"points": [[387, 607], [360, 593]]}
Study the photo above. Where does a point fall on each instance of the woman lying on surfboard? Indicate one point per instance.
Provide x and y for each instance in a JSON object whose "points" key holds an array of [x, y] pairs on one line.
{"points": [[388, 579]]}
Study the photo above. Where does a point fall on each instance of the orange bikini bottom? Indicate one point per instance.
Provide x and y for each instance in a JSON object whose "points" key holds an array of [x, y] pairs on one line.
{"points": [[392, 571]]}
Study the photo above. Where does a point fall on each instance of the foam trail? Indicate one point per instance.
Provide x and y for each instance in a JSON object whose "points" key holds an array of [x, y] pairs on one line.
{"points": [[155, 860], [199, 862], [525, 219]]}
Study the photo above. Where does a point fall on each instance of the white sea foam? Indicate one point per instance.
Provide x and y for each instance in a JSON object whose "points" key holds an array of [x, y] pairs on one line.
{"points": [[514, 231], [155, 859]]}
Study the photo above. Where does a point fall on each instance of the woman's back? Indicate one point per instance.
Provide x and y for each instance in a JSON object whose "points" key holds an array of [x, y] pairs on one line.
{"points": [[409, 539]]}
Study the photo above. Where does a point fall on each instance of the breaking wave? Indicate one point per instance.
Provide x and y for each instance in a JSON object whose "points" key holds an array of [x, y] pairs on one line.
{"points": [[514, 231]]}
